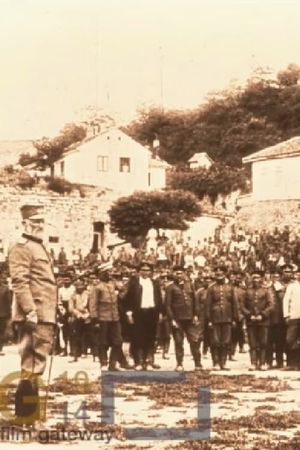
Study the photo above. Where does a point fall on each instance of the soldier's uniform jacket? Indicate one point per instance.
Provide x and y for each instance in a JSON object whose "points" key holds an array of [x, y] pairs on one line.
{"points": [[33, 282], [221, 304], [181, 302], [239, 294], [103, 302], [258, 301]]}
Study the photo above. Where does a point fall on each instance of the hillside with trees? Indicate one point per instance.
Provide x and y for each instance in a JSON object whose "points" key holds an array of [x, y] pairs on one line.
{"points": [[231, 124]]}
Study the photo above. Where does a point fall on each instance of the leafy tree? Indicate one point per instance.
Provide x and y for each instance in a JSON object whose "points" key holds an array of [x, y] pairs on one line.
{"points": [[290, 76], [231, 124], [133, 216], [50, 150], [218, 179]]}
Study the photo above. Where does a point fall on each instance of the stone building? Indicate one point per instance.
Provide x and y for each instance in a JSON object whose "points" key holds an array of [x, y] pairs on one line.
{"points": [[72, 222]]}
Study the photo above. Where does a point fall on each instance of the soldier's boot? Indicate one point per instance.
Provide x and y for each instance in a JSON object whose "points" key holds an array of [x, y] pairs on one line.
{"points": [[279, 359], [195, 350], [224, 352], [166, 348], [27, 403], [253, 360], [263, 365], [258, 358], [220, 357], [214, 356]]}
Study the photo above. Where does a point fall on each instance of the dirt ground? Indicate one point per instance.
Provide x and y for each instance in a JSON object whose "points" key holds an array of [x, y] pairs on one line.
{"points": [[238, 409]]}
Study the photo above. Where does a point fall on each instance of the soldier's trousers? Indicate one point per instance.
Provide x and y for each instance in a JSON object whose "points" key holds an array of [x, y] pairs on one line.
{"points": [[258, 340], [194, 337], [220, 342], [276, 343], [238, 337], [34, 347], [221, 335]]}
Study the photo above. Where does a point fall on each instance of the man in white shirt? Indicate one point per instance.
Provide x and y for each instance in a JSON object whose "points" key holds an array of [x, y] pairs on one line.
{"points": [[291, 313], [143, 302]]}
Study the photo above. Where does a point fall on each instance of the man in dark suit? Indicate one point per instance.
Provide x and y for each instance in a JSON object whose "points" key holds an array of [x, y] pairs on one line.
{"points": [[143, 307]]}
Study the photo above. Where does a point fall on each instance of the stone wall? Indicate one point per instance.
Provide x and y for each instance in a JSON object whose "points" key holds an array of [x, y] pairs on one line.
{"points": [[267, 214], [69, 218]]}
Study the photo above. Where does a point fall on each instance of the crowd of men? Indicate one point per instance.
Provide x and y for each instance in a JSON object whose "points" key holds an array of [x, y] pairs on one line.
{"points": [[218, 294]]}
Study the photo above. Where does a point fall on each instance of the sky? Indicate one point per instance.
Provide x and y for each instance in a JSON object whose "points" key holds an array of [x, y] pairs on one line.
{"points": [[61, 59]]}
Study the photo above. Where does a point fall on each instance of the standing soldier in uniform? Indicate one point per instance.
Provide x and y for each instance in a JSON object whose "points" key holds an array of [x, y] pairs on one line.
{"points": [[34, 309], [238, 336], [201, 298], [258, 304], [103, 306], [186, 316], [221, 316]]}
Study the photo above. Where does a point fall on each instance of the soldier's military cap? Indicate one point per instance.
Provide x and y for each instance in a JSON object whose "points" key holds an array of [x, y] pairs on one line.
{"points": [[32, 212]]}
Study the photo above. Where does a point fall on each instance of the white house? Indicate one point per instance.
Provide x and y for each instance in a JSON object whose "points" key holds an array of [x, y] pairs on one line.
{"points": [[275, 171], [112, 160], [200, 160]]}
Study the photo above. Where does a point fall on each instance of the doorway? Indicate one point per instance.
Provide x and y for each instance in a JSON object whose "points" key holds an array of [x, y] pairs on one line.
{"points": [[98, 236]]}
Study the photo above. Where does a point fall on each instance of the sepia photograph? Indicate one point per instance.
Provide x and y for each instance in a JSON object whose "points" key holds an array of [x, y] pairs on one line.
{"points": [[150, 224]]}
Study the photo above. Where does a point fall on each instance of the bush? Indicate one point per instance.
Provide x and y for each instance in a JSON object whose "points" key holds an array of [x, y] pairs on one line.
{"points": [[60, 185], [26, 181]]}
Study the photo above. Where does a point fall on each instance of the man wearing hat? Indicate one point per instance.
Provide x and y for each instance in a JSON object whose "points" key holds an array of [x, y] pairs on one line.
{"points": [[277, 329], [186, 315], [80, 320], [65, 293], [143, 302], [103, 306], [222, 314], [257, 306], [33, 310]]}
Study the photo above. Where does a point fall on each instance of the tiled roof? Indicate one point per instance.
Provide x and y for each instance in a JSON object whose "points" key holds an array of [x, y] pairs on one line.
{"points": [[288, 148]]}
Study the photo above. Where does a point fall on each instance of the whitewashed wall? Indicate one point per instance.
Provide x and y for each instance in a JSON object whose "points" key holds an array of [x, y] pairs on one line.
{"points": [[276, 179], [82, 167]]}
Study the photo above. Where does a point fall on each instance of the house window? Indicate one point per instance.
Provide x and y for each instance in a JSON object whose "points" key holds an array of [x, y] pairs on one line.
{"points": [[62, 169], [102, 163], [149, 178], [54, 239], [124, 164]]}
